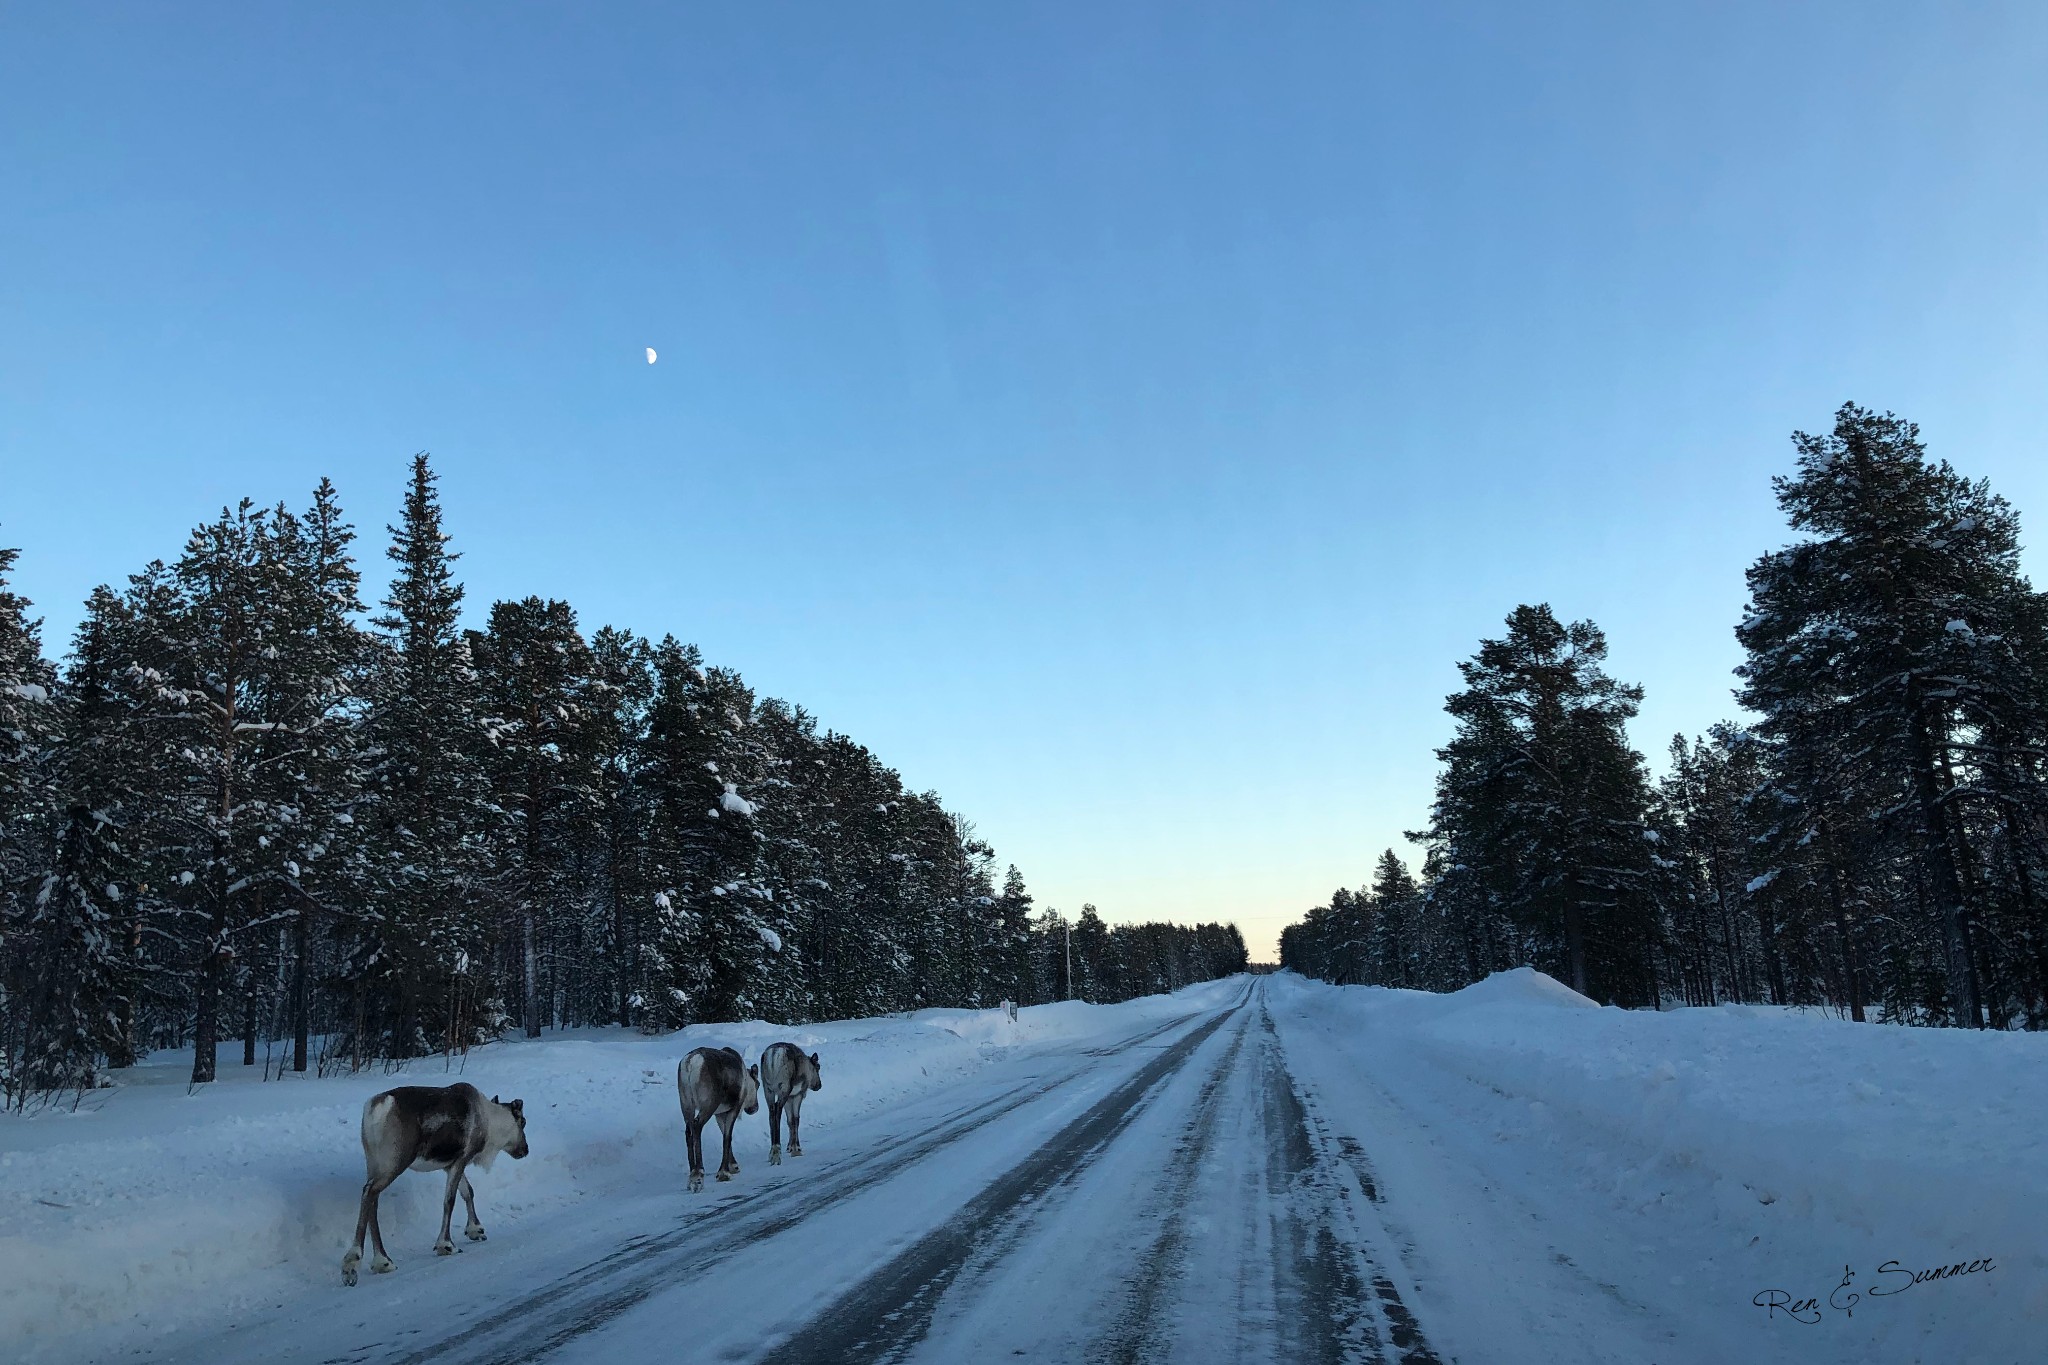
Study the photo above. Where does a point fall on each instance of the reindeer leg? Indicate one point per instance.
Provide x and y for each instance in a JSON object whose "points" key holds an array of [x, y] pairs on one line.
{"points": [[796, 1112], [445, 1246], [775, 1132], [366, 1217], [693, 1134], [475, 1230], [728, 1168], [380, 1263]]}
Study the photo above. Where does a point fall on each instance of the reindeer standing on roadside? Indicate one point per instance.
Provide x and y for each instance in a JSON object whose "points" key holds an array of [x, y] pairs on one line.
{"points": [[431, 1128], [714, 1082], [787, 1075]]}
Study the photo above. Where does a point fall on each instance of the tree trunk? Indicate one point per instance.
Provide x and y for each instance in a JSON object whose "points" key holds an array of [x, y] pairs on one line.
{"points": [[2030, 912], [1966, 1003], [300, 1023], [1767, 940], [206, 1016], [621, 965], [531, 1005], [1575, 942], [121, 1052], [1839, 904]]}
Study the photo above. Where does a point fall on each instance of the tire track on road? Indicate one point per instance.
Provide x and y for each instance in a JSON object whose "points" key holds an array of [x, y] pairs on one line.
{"points": [[891, 1311], [1316, 1159], [1321, 1290], [1135, 1336]]}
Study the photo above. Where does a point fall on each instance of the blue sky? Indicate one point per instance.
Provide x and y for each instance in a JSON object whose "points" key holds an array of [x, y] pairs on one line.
{"points": [[1120, 417]]}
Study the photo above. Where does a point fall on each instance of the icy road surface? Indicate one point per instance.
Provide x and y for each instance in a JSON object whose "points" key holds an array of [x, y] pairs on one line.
{"points": [[1259, 1170]]}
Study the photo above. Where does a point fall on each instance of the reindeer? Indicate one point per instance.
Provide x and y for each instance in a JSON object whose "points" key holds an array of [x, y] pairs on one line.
{"points": [[787, 1075], [714, 1082], [431, 1128]]}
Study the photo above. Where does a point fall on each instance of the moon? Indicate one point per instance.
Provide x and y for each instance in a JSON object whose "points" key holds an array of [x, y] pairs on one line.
{"points": [[650, 355]]}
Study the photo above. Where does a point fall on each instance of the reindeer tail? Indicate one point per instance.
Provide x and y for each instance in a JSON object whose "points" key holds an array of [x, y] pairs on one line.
{"points": [[375, 1111]]}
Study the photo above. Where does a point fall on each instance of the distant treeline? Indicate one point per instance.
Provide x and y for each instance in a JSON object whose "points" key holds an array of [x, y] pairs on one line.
{"points": [[239, 810], [1875, 839]]}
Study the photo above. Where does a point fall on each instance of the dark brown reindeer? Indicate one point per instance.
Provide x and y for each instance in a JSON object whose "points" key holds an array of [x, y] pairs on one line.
{"points": [[714, 1082], [431, 1128], [787, 1075]]}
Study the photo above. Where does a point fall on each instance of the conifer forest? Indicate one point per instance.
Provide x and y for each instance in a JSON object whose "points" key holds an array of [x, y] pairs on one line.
{"points": [[245, 807], [1870, 836]]}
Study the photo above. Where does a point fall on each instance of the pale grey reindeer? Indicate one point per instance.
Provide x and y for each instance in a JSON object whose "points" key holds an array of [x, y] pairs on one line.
{"points": [[714, 1083], [431, 1128], [788, 1073]]}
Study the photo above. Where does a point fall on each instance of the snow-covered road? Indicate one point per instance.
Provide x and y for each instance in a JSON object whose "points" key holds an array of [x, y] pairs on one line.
{"points": [[1157, 1195], [1266, 1169]]}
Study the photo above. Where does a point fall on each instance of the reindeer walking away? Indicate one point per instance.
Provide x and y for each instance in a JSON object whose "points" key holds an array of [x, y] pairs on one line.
{"points": [[787, 1075], [714, 1082], [431, 1128]]}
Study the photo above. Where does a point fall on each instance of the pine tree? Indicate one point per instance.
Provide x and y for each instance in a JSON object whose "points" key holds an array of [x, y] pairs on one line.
{"points": [[1894, 658], [1542, 803]]}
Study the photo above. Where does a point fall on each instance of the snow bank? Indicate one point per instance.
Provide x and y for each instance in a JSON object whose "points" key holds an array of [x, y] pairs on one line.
{"points": [[155, 1204], [1522, 986], [1928, 1132], [1814, 1140]]}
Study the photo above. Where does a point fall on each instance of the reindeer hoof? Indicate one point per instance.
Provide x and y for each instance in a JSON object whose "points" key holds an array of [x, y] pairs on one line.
{"points": [[774, 1156], [474, 1234], [696, 1184], [795, 1150], [444, 1248], [348, 1275], [725, 1175], [382, 1265]]}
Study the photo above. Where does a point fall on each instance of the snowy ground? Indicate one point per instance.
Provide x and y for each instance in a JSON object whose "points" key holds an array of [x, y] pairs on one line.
{"points": [[1244, 1171]]}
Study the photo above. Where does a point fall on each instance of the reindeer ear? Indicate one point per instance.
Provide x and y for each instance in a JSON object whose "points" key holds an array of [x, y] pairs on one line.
{"points": [[517, 1106], [496, 1100], [755, 1072], [814, 1059]]}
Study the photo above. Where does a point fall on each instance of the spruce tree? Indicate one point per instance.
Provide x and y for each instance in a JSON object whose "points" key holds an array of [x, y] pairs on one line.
{"points": [[420, 970], [36, 1051], [1394, 898], [1011, 951], [622, 674], [535, 684]]}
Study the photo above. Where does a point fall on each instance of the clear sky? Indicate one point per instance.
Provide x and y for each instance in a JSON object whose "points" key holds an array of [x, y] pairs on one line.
{"points": [[1121, 417]]}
